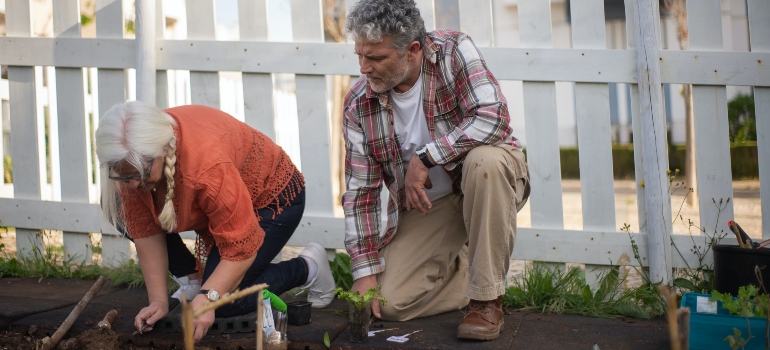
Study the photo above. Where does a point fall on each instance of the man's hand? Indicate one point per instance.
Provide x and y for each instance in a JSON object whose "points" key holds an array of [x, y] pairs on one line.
{"points": [[416, 182], [150, 314], [362, 285], [203, 322]]}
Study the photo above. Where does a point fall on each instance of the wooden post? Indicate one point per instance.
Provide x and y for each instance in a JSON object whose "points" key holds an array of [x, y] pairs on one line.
{"points": [[260, 317], [759, 27], [145, 51], [655, 156]]}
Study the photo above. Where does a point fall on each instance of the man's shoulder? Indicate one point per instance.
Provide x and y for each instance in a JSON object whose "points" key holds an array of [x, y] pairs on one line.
{"points": [[445, 38]]}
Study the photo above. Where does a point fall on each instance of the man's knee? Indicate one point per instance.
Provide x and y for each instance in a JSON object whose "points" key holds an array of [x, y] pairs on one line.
{"points": [[486, 160]]}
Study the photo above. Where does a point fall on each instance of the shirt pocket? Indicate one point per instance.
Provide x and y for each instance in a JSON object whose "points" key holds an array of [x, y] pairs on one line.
{"points": [[446, 101], [381, 149]]}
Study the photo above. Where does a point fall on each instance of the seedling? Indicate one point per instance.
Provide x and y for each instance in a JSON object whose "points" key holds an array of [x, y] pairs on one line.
{"points": [[360, 311]]}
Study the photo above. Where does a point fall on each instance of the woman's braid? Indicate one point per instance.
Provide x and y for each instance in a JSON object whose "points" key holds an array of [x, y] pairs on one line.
{"points": [[167, 216]]}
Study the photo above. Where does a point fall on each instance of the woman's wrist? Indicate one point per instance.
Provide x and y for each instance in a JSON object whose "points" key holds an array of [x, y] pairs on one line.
{"points": [[165, 302]]}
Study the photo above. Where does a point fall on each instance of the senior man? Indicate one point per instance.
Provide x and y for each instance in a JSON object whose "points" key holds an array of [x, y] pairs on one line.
{"points": [[428, 121]]}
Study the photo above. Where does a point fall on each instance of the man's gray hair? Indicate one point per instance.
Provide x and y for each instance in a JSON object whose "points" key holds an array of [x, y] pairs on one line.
{"points": [[374, 19]]}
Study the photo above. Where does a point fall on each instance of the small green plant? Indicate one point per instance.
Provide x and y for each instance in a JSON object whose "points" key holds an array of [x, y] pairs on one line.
{"points": [[327, 342], [358, 301], [748, 303], [340, 267]]}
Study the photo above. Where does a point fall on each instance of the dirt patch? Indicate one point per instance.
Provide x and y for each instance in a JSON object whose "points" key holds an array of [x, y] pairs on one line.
{"points": [[14, 340], [93, 339]]}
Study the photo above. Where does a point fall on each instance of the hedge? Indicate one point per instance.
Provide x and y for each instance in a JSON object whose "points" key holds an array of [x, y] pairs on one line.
{"points": [[745, 164]]}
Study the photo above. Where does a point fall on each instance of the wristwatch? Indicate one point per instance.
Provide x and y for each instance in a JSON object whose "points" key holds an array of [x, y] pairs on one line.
{"points": [[423, 154], [210, 293]]}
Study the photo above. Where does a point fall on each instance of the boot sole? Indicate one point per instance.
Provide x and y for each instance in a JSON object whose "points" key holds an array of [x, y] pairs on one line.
{"points": [[481, 334]]}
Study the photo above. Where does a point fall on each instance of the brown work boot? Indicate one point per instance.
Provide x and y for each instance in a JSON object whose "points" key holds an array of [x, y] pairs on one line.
{"points": [[483, 320]]}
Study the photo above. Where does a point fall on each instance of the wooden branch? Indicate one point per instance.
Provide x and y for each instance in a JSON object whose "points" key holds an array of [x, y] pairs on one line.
{"points": [[50, 342], [260, 319], [187, 325], [671, 315], [189, 315], [229, 298]]}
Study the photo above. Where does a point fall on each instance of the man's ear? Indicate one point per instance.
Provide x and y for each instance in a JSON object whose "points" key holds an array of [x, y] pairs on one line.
{"points": [[414, 48]]}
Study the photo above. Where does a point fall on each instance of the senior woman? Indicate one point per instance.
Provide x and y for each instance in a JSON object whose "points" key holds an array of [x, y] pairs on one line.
{"points": [[196, 168]]}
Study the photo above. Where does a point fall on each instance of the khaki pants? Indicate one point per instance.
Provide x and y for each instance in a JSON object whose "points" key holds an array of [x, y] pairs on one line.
{"points": [[429, 269]]}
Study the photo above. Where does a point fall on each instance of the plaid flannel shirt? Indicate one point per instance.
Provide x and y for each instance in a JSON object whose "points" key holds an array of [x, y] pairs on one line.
{"points": [[464, 108]]}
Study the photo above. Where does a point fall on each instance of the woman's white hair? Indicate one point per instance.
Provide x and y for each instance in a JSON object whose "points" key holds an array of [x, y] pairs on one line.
{"points": [[136, 133]]}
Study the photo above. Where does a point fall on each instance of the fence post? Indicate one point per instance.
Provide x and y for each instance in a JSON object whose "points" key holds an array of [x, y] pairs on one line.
{"points": [[655, 155], [145, 51], [759, 26]]}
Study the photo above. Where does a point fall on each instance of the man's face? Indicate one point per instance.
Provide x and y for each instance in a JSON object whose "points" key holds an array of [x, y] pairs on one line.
{"points": [[382, 64]]}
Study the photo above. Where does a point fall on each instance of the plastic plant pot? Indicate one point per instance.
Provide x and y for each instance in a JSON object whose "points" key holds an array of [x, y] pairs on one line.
{"points": [[299, 313], [734, 267], [359, 323]]}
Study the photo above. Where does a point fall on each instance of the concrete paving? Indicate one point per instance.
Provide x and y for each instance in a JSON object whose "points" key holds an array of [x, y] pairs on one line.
{"points": [[42, 305]]}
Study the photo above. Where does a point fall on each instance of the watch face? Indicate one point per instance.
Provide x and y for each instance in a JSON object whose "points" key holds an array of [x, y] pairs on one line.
{"points": [[213, 295]]}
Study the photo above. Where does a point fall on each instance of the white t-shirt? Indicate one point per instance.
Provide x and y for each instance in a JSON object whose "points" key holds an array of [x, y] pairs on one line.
{"points": [[412, 131]]}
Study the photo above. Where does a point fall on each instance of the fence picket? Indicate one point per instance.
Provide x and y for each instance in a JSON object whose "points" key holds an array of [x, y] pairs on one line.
{"points": [[540, 123], [161, 76], [476, 21], [759, 29], [592, 109], [428, 13], [73, 137], [257, 87], [636, 126], [313, 116], [25, 146], [204, 86], [712, 143], [112, 90]]}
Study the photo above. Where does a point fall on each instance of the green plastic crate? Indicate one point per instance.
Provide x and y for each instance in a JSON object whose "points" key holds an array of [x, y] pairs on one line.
{"points": [[707, 330]]}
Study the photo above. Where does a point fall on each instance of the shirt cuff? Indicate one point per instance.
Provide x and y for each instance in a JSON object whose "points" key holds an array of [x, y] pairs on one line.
{"points": [[432, 149], [366, 265]]}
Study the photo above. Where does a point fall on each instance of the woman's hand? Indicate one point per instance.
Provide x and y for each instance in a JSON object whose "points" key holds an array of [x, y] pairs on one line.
{"points": [[203, 322], [150, 314]]}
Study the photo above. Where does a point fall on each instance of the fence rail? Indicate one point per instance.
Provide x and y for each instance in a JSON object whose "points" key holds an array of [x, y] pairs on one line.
{"points": [[536, 63]]}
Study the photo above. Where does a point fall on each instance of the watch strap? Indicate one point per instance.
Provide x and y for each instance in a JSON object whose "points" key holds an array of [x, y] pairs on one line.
{"points": [[423, 154]]}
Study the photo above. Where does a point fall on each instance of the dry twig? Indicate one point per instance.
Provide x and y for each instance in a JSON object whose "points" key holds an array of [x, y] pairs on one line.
{"points": [[50, 342]]}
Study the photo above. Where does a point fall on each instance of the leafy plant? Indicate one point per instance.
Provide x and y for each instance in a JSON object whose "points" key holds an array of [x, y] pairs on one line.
{"points": [[327, 342], [358, 301], [749, 303], [340, 267], [552, 290]]}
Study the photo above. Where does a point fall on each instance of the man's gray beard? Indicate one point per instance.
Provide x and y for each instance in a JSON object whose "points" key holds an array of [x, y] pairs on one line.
{"points": [[407, 72]]}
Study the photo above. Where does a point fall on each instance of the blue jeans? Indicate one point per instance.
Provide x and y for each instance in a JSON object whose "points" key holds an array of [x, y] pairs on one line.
{"points": [[280, 277]]}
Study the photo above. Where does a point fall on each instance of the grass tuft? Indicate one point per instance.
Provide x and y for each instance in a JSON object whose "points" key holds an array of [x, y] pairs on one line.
{"points": [[552, 290]]}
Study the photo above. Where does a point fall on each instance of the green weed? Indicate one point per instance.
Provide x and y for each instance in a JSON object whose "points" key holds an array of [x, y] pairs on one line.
{"points": [[552, 290], [340, 266]]}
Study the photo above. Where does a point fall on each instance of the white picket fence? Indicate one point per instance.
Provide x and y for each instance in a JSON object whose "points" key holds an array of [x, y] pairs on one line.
{"points": [[589, 64]]}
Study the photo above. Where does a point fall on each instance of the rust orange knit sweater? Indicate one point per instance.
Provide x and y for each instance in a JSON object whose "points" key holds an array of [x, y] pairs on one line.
{"points": [[225, 171]]}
